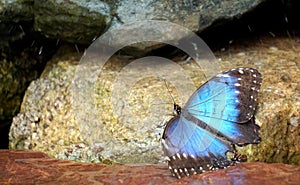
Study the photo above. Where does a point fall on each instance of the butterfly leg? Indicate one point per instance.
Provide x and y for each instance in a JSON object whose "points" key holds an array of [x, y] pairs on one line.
{"points": [[236, 156]]}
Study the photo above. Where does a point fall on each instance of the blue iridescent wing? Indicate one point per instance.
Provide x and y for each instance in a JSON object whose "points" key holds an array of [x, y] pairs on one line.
{"points": [[230, 96], [192, 149], [218, 114], [226, 102]]}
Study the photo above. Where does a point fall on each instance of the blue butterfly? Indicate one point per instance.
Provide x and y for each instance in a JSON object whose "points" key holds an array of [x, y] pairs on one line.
{"points": [[218, 116]]}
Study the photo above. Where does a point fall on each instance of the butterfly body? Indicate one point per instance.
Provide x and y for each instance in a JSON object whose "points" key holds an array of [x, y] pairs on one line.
{"points": [[219, 115]]}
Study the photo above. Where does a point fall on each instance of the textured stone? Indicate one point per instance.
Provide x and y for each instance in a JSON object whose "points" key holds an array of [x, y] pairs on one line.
{"points": [[27, 167], [278, 111], [50, 122], [19, 65], [16, 10], [74, 21], [13, 14], [81, 21], [50, 113], [78, 21]]}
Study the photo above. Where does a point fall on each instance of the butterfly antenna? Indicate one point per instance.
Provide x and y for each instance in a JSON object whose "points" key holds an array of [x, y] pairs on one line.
{"points": [[169, 91], [177, 108]]}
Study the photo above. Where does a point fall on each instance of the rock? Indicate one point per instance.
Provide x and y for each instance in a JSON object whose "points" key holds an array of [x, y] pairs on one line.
{"points": [[73, 126], [81, 21], [49, 112], [195, 16], [13, 16], [33, 124], [18, 67], [27, 167], [278, 104], [15, 76], [20, 63], [74, 21], [23, 55], [17, 10]]}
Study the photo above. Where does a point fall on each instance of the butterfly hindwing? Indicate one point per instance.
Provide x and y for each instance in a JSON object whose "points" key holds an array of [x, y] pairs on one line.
{"points": [[192, 149], [236, 133]]}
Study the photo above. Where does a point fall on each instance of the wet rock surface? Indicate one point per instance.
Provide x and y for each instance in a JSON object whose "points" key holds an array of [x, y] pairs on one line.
{"points": [[27, 167]]}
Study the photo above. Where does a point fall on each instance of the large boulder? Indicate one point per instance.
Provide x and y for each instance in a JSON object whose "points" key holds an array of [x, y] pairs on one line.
{"points": [[87, 127], [78, 21], [82, 21]]}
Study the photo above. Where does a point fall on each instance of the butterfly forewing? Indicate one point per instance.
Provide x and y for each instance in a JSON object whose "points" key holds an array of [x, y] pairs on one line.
{"points": [[230, 96]]}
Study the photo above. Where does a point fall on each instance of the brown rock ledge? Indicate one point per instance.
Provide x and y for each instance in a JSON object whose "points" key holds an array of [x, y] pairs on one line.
{"points": [[29, 167]]}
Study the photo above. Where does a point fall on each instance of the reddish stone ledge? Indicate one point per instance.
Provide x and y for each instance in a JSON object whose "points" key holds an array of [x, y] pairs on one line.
{"points": [[28, 167]]}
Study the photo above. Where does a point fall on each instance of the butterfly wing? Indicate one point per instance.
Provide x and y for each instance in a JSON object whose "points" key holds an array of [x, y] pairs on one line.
{"points": [[227, 103], [192, 149], [230, 96], [217, 115]]}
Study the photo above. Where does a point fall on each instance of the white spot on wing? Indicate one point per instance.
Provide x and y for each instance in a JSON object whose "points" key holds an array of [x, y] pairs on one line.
{"points": [[237, 84], [225, 75]]}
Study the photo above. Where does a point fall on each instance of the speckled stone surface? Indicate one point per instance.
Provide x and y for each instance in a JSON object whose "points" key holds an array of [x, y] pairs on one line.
{"points": [[49, 122]]}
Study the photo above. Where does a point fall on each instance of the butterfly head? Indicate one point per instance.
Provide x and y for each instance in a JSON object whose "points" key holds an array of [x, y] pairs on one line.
{"points": [[177, 109]]}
